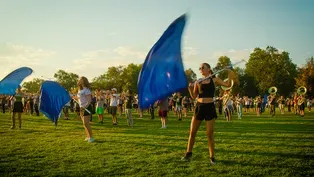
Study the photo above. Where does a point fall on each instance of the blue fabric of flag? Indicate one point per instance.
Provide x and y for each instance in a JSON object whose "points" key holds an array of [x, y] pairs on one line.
{"points": [[163, 72], [12, 81], [52, 99]]}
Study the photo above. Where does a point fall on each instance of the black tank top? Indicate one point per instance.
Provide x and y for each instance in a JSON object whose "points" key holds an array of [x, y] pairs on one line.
{"points": [[207, 90]]}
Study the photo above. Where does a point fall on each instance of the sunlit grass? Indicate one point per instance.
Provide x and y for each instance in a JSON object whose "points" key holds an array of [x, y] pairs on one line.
{"points": [[254, 146]]}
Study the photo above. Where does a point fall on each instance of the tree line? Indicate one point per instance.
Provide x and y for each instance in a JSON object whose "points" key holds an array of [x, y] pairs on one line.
{"points": [[264, 68]]}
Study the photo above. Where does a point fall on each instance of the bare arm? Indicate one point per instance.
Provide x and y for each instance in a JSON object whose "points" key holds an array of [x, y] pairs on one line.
{"points": [[193, 89], [231, 76]]}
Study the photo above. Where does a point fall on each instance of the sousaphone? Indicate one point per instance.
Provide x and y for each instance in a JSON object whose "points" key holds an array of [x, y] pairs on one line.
{"points": [[302, 90], [227, 88], [272, 91]]}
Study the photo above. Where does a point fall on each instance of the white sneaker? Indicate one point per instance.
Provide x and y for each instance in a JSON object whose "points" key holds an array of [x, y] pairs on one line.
{"points": [[86, 139], [91, 140]]}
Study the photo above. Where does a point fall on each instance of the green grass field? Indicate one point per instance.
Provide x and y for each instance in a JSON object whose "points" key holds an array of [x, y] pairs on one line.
{"points": [[253, 146]]}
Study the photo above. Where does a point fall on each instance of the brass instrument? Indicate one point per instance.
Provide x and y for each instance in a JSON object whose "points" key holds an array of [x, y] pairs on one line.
{"points": [[272, 91], [225, 98], [227, 88], [301, 100], [302, 90]]}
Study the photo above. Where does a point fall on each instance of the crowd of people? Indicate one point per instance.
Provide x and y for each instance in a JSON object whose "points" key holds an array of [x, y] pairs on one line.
{"points": [[126, 104]]}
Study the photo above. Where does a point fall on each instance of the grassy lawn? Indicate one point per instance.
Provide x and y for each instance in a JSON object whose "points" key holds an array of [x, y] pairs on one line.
{"points": [[253, 146]]}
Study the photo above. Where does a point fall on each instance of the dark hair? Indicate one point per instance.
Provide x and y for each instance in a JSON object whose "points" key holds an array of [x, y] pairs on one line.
{"points": [[210, 70], [83, 82]]}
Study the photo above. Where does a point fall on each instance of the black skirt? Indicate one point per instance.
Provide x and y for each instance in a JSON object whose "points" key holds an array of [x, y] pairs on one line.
{"points": [[205, 111], [18, 107]]}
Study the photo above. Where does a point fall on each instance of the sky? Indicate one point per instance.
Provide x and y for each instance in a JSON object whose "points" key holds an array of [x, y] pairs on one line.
{"points": [[87, 37]]}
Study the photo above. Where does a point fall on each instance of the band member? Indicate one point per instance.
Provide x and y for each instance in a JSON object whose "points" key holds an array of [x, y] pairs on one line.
{"points": [[272, 101], [239, 106], [226, 105], [281, 104], [301, 105], [258, 102], [17, 107]]}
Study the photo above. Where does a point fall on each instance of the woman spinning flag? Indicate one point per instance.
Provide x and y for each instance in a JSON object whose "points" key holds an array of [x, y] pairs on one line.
{"points": [[205, 108]]}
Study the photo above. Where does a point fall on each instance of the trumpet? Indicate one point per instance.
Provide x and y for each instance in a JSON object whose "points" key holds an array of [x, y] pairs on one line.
{"points": [[302, 90], [272, 91]]}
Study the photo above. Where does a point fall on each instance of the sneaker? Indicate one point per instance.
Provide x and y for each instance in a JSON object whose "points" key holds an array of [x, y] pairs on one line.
{"points": [[212, 161], [86, 139], [13, 127], [187, 157], [91, 140]]}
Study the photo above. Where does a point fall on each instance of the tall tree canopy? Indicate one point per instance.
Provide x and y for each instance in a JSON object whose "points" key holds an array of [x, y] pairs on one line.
{"points": [[191, 76], [33, 86], [306, 76], [269, 68], [66, 79], [120, 77]]}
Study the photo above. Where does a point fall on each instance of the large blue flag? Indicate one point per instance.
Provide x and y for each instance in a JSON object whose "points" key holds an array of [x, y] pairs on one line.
{"points": [[52, 100], [12, 81], [163, 73]]}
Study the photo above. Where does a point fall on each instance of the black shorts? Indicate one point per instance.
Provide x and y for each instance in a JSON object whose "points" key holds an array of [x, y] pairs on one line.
{"points": [[302, 106], [89, 108], [205, 111], [113, 110], [18, 107], [258, 105]]}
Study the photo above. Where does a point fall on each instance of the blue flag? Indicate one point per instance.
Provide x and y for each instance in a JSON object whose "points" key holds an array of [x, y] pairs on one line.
{"points": [[52, 100], [12, 81], [163, 73]]}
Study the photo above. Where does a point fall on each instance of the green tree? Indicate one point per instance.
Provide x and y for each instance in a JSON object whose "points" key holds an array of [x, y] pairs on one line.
{"points": [[222, 63], [130, 77], [66, 80], [120, 77], [33, 86], [191, 76], [305, 76], [269, 68]]}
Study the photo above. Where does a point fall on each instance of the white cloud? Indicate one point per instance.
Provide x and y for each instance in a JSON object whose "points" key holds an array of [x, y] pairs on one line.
{"points": [[13, 56], [189, 52], [94, 63], [234, 54], [129, 52]]}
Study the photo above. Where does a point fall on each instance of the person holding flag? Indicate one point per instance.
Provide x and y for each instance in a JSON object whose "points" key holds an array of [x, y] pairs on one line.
{"points": [[205, 108]]}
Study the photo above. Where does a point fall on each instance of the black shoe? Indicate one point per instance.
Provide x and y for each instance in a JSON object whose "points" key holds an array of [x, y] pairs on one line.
{"points": [[212, 160], [187, 157]]}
